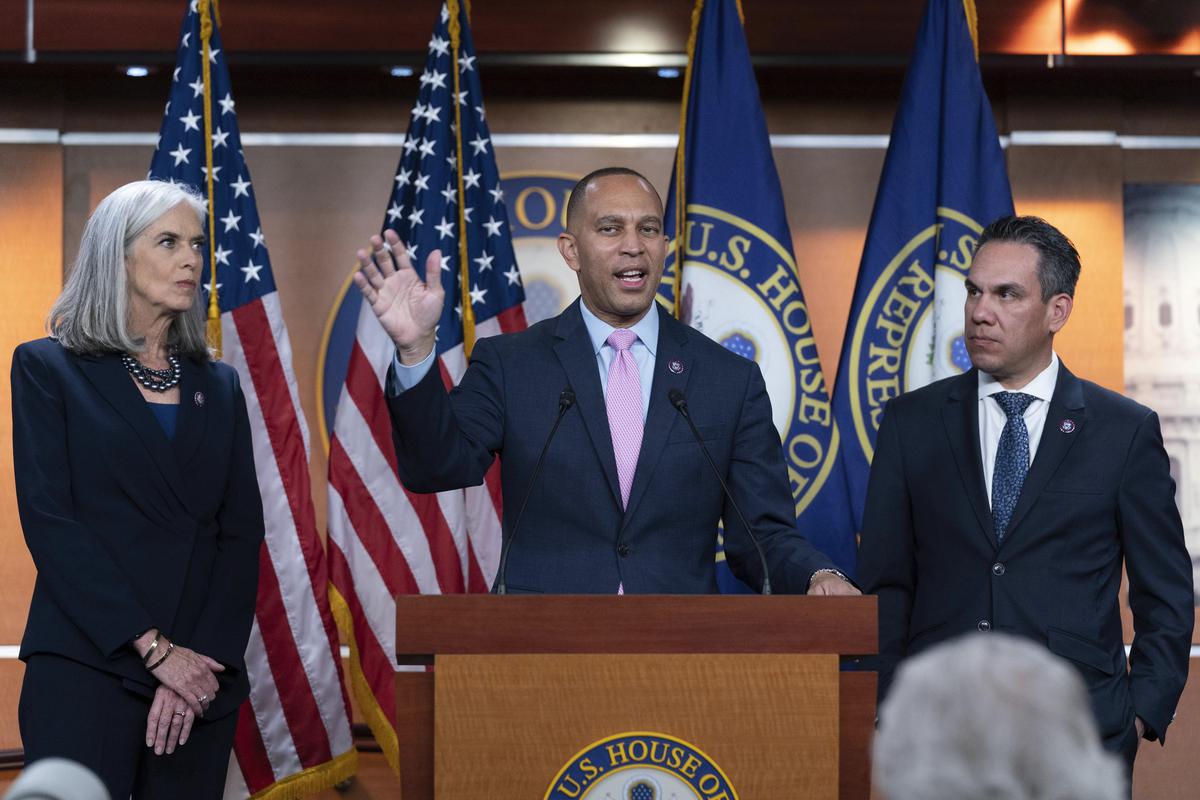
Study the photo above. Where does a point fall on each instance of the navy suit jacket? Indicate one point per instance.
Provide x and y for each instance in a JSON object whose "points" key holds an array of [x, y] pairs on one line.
{"points": [[129, 530], [1098, 494], [575, 537]]}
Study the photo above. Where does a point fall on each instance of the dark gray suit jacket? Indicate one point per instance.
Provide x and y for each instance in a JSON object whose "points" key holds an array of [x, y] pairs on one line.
{"points": [[1098, 495]]}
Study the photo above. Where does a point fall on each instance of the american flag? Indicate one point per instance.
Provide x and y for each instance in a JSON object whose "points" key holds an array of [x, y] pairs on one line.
{"points": [[293, 734], [383, 539]]}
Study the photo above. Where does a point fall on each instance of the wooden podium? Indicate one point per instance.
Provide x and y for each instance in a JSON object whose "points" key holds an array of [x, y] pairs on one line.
{"points": [[522, 684]]}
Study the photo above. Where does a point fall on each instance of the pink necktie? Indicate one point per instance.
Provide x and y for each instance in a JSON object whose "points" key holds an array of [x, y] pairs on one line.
{"points": [[624, 403]]}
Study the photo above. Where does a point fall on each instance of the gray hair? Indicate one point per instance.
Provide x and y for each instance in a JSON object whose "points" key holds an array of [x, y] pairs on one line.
{"points": [[1058, 264], [91, 314], [994, 717]]}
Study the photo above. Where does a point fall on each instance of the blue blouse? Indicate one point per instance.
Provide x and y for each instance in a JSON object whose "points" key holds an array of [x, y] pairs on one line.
{"points": [[167, 415]]}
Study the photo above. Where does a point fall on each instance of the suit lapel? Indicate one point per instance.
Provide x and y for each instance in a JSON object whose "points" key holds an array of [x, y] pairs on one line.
{"points": [[195, 392], [1065, 403], [112, 382], [574, 351], [672, 347], [961, 418]]}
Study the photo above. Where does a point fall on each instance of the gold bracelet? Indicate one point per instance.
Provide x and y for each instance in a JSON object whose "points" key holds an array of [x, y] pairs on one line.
{"points": [[153, 646], [157, 664]]}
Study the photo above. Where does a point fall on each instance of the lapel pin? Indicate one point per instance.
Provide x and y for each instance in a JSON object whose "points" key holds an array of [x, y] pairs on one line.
{"points": [[676, 366], [1067, 426], [198, 398]]}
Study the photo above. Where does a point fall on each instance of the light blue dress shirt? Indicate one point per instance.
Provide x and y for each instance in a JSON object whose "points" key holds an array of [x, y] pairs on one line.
{"points": [[644, 350]]}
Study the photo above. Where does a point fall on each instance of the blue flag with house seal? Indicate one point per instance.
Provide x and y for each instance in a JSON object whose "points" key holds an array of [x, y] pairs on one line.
{"points": [[943, 181], [731, 263]]}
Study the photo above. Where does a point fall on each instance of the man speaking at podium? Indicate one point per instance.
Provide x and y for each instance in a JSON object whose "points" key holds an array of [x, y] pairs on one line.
{"points": [[625, 499]]}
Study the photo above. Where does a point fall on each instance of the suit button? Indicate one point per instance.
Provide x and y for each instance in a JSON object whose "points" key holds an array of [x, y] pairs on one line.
{"points": [[623, 550], [998, 569], [984, 625]]}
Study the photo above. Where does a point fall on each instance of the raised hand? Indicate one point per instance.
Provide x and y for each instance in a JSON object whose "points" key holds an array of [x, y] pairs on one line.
{"points": [[407, 307]]}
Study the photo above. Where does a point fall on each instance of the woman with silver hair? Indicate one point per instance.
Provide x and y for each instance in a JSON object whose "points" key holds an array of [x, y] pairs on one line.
{"points": [[992, 717], [140, 506]]}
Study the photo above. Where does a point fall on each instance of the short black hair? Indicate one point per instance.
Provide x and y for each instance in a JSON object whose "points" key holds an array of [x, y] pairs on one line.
{"points": [[1058, 260], [575, 201]]}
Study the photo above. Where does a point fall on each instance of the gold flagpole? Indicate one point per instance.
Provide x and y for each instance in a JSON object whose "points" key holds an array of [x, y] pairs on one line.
{"points": [[972, 24], [214, 309], [680, 162], [468, 313]]}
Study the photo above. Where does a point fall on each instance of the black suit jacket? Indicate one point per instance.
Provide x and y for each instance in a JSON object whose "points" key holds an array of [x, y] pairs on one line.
{"points": [[129, 530], [575, 537], [1098, 494]]}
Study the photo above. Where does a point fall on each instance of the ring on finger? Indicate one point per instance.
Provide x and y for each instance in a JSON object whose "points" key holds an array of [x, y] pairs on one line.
{"points": [[180, 713]]}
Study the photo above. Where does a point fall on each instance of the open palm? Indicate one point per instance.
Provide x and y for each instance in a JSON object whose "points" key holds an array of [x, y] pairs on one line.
{"points": [[408, 308]]}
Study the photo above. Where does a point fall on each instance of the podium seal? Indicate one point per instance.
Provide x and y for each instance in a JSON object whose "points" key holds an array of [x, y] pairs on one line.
{"points": [[640, 765]]}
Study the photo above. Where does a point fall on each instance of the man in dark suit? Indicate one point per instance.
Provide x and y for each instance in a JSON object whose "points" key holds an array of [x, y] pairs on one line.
{"points": [[624, 501], [1008, 498]]}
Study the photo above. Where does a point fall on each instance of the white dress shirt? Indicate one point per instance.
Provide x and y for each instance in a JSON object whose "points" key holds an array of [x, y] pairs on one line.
{"points": [[992, 418]]}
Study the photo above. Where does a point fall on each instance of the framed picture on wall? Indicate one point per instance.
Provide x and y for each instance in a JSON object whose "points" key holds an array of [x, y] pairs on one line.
{"points": [[1162, 328]]}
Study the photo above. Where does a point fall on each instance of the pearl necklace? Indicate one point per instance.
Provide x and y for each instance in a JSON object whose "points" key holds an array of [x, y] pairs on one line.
{"points": [[156, 380]]}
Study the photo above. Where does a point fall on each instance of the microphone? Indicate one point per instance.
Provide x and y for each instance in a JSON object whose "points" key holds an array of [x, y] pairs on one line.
{"points": [[566, 399], [680, 402]]}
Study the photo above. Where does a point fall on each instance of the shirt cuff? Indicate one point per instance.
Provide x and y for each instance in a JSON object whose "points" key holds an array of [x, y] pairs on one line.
{"points": [[829, 571], [401, 377]]}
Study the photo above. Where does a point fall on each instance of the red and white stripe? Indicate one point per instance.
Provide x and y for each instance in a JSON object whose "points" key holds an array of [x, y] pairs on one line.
{"points": [[297, 719], [385, 540]]}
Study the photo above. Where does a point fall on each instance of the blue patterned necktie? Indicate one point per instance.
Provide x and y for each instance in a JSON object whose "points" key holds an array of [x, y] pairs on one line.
{"points": [[1012, 459]]}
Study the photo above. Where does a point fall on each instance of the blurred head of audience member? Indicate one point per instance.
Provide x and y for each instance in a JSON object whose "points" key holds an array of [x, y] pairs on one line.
{"points": [[991, 717], [57, 779]]}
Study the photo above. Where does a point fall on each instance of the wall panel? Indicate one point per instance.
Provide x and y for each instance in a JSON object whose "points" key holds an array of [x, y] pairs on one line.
{"points": [[1169, 772], [26, 103], [531, 26], [30, 255], [1161, 166], [829, 195], [1078, 189], [12, 25], [11, 673]]}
